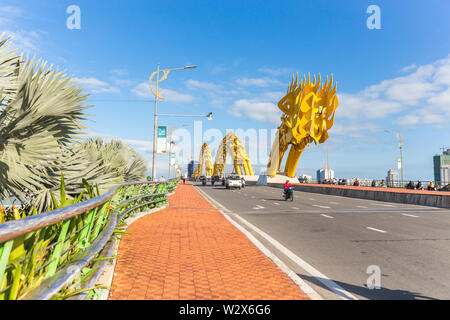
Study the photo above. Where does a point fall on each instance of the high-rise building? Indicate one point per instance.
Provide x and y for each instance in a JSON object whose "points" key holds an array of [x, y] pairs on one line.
{"points": [[325, 174], [392, 178], [442, 168], [192, 165]]}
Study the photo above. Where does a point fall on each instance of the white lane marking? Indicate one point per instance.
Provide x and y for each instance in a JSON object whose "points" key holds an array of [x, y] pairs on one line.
{"points": [[291, 274], [332, 202], [263, 200], [409, 215], [258, 207], [295, 208], [312, 199], [363, 207], [377, 230], [253, 197], [323, 207], [383, 205], [324, 215], [276, 203]]}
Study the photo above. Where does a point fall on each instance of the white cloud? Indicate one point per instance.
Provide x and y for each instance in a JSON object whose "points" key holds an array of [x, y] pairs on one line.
{"points": [[8, 14], [256, 110], [195, 84], [143, 146], [274, 95], [422, 97], [353, 130], [143, 90], [119, 72], [26, 41], [123, 82], [96, 86], [257, 82], [408, 68]]}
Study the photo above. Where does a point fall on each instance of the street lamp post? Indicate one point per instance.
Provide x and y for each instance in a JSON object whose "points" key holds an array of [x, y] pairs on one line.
{"points": [[158, 95], [400, 145]]}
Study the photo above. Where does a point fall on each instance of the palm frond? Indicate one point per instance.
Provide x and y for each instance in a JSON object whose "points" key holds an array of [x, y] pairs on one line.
{"points": [[40, 115]]}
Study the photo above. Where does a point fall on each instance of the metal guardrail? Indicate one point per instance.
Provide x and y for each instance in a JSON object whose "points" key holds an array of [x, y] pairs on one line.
{"points": [[43, 256]]}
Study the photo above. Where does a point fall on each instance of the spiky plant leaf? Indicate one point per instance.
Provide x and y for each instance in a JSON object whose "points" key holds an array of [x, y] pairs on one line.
{"points": [[41, 115]]}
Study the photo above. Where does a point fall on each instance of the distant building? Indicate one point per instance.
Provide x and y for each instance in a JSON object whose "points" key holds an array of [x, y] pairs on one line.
{"points": [[392, 178], [325, 174], [442, 168], [191, 168]]}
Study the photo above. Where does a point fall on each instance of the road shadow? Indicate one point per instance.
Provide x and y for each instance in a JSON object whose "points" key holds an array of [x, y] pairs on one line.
{"points": [[371, 294]]}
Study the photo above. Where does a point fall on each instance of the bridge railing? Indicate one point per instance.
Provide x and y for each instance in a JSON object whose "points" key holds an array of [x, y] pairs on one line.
{"points": [[49, 256], [373, 183]]}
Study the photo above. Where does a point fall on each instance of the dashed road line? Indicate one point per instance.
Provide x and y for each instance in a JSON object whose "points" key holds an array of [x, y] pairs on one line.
{"points": [[409, 215], [258, 207], [323, 207], [377, 230], [329, 217], [295, 208], [383, 205], [362, 207], [276, 203], [332, 202]]}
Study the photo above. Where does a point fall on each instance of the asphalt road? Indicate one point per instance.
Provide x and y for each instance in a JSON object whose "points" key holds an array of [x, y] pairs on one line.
{"points": [[341, 242]]}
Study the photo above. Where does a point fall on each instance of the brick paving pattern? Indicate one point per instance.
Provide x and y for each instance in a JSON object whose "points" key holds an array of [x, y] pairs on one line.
{"points": [[190, 251]]}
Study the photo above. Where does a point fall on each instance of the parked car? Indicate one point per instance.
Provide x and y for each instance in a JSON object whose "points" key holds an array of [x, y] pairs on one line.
{"points": [[233, 182]]}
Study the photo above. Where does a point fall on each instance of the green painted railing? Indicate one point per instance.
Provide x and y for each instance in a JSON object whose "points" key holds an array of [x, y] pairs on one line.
{"points": [[50, 255]]}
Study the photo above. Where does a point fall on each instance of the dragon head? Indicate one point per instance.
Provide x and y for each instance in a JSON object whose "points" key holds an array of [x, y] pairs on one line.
{"points": [[308, 111]]}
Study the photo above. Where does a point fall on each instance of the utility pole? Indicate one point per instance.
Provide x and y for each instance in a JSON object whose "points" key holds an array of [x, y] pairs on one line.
{"points": [[154, 125]]}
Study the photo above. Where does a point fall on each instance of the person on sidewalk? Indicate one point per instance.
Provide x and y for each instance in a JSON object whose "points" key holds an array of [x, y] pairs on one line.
{"points": [[431, 186], [410, 185]]}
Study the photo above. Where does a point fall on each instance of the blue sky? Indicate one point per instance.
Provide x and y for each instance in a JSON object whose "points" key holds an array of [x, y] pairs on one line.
{"points": [[396, 78]]}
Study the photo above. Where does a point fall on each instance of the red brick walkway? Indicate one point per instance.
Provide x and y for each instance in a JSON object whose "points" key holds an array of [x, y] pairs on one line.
{"points": [[191, 251]]}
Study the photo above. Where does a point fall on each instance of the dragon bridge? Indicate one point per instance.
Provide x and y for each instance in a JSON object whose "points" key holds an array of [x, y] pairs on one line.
{"points": [[232, 145], [205, 158]]}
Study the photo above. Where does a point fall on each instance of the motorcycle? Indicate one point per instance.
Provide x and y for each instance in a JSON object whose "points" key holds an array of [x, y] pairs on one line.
{"points": [[289, 194]]}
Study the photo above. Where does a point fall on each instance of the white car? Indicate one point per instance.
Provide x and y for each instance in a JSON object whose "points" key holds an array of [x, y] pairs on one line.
{"points": [[233, 182]]}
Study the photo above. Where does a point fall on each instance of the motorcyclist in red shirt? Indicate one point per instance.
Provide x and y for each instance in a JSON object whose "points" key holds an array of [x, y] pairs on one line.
{"points": [[287, 185]]}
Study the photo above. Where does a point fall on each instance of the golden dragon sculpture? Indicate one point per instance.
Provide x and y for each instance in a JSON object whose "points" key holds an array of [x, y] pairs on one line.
{"points": [[308, 113]]}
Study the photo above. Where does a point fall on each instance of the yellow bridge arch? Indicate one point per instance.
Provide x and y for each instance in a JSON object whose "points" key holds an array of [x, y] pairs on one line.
{"points": [[204, 158], [232, 145]]}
